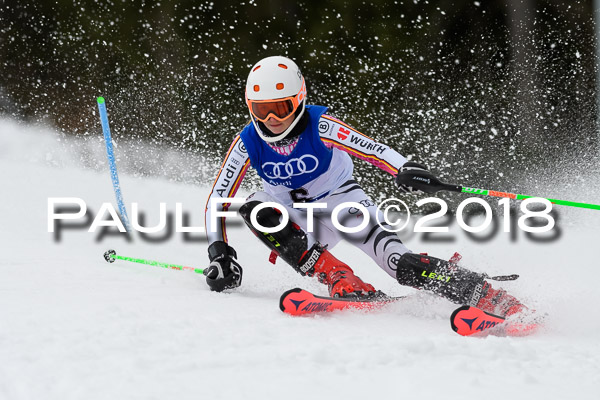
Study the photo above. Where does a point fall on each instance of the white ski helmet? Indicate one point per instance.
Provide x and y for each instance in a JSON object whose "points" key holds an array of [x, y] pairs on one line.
{"points": [[275, 88]]}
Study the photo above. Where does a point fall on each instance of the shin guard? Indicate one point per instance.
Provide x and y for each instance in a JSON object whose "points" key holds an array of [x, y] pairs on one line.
{"points": [[290, 243], [457, 284]]}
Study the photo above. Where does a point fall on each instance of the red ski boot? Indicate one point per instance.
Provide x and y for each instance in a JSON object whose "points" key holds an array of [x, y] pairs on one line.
{"points": [[498, 302], [338, 276], [498, 310]]}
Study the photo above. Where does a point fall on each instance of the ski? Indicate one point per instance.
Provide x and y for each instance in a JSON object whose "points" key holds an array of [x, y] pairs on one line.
{"points": [[302, 302], [467, 321]]}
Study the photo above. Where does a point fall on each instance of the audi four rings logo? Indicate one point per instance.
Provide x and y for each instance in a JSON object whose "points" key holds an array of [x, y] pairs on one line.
{"points": [[294, 167]]}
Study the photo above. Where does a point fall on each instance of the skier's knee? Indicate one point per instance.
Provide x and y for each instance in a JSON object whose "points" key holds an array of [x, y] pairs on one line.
{"points": [[390, 253], [267, 217], [289, 242]]}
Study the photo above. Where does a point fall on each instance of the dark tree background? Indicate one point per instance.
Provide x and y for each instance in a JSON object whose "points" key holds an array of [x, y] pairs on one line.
{"points": [[488, 93]]}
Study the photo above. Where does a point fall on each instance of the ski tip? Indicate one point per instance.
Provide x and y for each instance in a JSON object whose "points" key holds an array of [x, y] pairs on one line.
{"points": [[467, 320], [453, 317], [284, 297], [109, 256], [100, 100]]}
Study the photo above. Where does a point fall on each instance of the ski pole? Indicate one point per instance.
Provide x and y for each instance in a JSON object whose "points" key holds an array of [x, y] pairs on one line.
{"points": [[429, 184], [486, 192], [112, 162], [111, 255]]}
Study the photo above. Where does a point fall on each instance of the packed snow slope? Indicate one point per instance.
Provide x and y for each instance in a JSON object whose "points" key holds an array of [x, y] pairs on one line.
{"points": [[73, 326]]}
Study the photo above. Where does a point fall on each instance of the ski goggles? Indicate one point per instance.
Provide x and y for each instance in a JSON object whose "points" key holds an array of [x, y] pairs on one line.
{"points": [[279, 109]]}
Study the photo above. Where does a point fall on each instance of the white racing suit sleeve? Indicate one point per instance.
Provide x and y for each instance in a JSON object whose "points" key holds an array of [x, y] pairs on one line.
{"points": [[335, 133], [226, 184]]}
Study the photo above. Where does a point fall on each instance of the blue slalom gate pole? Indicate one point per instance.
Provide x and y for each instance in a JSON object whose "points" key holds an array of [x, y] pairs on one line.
{"points": [[112, 163]]}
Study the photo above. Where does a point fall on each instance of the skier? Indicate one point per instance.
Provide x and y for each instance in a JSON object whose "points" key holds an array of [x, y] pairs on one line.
{"points": [[303, 155]]}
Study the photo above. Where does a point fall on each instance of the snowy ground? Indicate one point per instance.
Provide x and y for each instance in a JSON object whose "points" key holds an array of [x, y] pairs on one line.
{"points": [[73, 326]]}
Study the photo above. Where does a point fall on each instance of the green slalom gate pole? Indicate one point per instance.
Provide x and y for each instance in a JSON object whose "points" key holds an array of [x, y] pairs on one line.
{"points": [[111, 255]]}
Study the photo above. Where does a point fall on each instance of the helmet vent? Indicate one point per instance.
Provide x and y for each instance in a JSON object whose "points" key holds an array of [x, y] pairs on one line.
{"points": [[256, 68], [256, 88], [279, 86], [282, 66]]}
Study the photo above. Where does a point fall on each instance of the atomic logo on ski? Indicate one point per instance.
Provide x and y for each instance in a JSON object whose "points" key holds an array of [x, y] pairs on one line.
{"points": [[318, 306], [486, 325], [301, 302], [469, 322], [297, 303]]}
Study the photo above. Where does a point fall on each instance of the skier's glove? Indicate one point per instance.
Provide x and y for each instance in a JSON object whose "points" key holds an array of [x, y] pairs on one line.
{"points": [[415, 178], [223, 272]]}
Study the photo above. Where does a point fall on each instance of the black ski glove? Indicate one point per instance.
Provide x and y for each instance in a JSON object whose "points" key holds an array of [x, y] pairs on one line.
{"points": [[223, 272], [415, 178]]}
